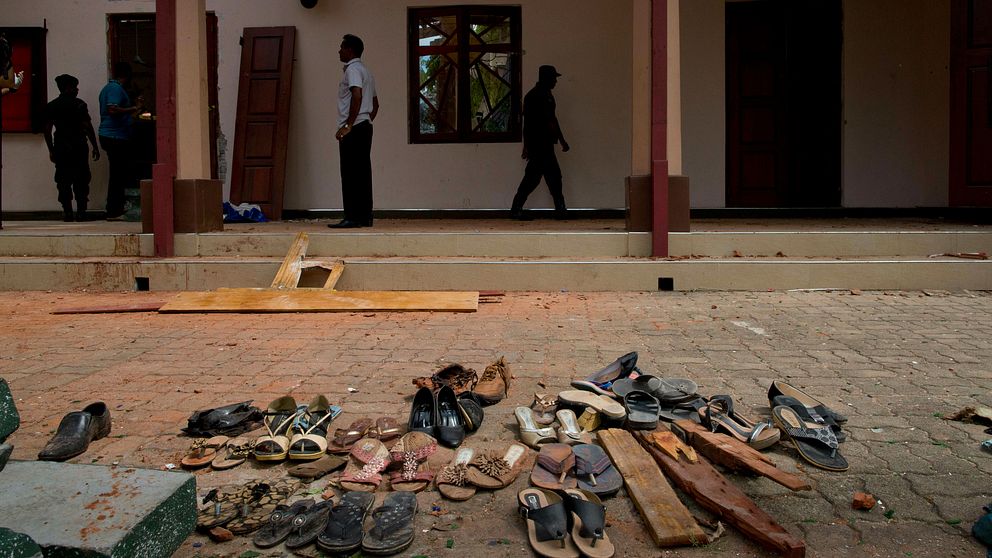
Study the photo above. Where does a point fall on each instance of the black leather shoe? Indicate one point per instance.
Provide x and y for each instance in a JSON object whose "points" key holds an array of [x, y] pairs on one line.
{"points": [[471, 411], [520, 215], [423, 414], [76, 431], [450, 424], [345, 224]]}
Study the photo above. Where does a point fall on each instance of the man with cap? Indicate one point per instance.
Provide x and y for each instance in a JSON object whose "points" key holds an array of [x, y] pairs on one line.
{"points": [[70, 118], [541, 133]]}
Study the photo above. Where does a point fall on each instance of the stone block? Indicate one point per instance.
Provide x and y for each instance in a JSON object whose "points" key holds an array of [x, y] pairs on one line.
{"points": [[197, 206], [9, 419]]}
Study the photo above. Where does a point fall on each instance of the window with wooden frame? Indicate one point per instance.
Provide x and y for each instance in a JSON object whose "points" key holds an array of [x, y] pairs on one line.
{"points": [[464, 74]]}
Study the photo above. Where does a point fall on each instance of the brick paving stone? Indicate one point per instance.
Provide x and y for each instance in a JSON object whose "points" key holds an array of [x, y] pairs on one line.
{"points": [[892, 362]]}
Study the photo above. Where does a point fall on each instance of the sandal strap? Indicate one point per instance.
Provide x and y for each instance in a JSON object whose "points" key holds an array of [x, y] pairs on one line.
{"points": [[593, 516], [387, 518], [453, 474], [555, 465], [823, 435], [547, 432], [345, 518], [585, 467], [550, 522]]}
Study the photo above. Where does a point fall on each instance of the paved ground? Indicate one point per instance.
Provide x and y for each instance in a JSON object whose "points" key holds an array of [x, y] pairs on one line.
{"points": [[895, 362]]}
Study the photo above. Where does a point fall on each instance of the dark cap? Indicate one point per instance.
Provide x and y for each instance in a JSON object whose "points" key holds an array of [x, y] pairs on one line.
{"points": [[545, 72], [66, 81]]}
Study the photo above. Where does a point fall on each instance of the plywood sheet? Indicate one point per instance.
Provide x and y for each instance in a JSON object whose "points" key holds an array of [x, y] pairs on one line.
{"points": [[322, 300], [288, 275]]}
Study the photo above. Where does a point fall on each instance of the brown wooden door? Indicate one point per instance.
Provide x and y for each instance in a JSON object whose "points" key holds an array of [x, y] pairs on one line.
{"points": [[971, 103], [783, 103], [212, 100], [262, 125]]}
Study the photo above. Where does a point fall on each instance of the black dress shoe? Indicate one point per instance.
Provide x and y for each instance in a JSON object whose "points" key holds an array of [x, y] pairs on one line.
{"points": [[423, 414], [76, 431], [345, 224], [450, 424], [520, 215]]}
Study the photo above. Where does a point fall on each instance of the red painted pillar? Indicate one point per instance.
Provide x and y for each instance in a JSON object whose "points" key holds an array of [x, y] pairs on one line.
{"points": [[659, 127], [164, 171]]}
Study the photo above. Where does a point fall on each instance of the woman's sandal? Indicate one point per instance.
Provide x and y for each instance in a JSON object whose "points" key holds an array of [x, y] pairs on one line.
{"points": [[642, 410], [393, 530], [554, 467], [310, 430], [258, 501], [412, 450], [202, 451], [595, 471], [280, 523], [547, 523], [235, 453], [345, 438], [364, 473], [608, 406], [589, 523], [386, 428], [544, 407], [279, 417], [808, 415], [815, 406], [719, 414], [816, 444], [530, 434], [343, 532], [451, 482], [568, 429], [492, 471]]}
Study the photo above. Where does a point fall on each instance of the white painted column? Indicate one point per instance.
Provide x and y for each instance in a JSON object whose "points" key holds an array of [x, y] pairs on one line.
{"points": [[192, 120], [640, 141], [674, 90]]}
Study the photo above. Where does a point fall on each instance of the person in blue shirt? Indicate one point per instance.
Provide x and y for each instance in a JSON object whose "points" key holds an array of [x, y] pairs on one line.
{"points": [[116, 111]]}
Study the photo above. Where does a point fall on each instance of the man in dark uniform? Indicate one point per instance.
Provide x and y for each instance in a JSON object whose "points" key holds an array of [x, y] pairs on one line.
{"points": [[541, 133], [70, 118]]}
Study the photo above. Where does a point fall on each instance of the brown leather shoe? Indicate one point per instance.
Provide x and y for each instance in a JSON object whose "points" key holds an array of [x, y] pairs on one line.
{"points": [[494, 385]]}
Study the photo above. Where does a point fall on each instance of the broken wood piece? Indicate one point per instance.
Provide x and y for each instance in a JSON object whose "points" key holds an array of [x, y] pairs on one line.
{"points": [[321, 300], [669, 443], [288, 276], [736, 455], [667, 518], [114, 309], [335, 269], [713, 492]]}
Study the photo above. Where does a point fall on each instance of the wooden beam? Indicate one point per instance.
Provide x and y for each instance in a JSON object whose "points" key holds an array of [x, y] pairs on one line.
{"points": [[321, 300], [667, 519], [164, 171], [288, 276], [659, 128], [712, 491], [336, 269]]}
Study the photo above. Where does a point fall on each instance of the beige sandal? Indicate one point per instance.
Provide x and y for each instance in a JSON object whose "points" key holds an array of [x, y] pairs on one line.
{"points": [[489, 470], [238, 450], [202, 451], [606, 405], [311, 443], [452, 481], [530, 434], [569, 431], [279, 417], [412, 450]]}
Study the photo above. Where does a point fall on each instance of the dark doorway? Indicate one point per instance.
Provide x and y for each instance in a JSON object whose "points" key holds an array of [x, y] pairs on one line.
{"points": [[971, 103], [784, 103]]}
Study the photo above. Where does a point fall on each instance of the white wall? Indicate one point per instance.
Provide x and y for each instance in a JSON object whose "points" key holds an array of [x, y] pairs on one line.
{"points": [[896, 104], [588, 40]]}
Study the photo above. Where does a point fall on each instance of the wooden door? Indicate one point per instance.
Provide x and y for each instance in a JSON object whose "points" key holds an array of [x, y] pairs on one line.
{"points": [[212, 97], [783, 103], [971, 103], [262, 121]]}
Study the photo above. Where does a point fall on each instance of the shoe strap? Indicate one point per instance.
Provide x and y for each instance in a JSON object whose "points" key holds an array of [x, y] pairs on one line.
{"points": [[550, 522], [593, 516]]}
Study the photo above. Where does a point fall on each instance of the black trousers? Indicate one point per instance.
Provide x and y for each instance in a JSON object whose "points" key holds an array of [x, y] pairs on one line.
{"points": [[72, 175], [356, 173], [121, 159], [542, 163]]}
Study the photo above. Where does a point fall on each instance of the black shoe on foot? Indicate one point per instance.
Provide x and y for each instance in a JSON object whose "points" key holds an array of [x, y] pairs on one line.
{"points": [[67, 216], [345, 224], [520, 215]]}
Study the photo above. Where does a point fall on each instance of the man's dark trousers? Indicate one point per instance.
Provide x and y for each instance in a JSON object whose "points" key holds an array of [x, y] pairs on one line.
{"points": [[121, 162], [542, 162], [356, 173], [72, 175]]}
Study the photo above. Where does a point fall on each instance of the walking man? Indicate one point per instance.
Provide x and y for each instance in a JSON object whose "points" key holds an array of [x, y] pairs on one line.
{"points": [[541, 133], [115, 138], [357, 108], [70, 118]]}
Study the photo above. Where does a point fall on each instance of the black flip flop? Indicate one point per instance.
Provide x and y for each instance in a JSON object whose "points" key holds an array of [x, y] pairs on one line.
{"points": [[647, 384], [280, 523], [393, 530], [308, 525], [642, 410], [816, 444], [808, 416], [343, 531]]}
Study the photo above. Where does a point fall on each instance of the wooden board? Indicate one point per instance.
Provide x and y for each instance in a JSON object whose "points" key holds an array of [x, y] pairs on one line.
{"points": [[713, 492], [118, 309], [736, 455], [288, 276], [668, 520], [322, 300]]}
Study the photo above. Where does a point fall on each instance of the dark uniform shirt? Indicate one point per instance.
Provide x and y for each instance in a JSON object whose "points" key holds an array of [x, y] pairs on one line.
{"points": [[70, 115], [539, 118]]}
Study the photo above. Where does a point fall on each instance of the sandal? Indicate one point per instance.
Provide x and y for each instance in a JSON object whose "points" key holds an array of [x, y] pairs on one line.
{"points": [[374, 458], [544, 407], [280, 523], [685, 410], [642, 410], [601, 403], [344, 439], [530, 434], [590, 420], [809, 415], [310, 439], [553, 468], [237, 452], [595, 471], [279, 418], [815, 406], [343, 532], [309, 524], [569, 431], [393, 530], [224, 506], [258, 501], [202, 451], [589, 523], [719, 414], [386, 428], [451, 482], [602, 381], [816, 444], [547, 523], [412, 451], [489, 470], [313, 470], [472, 413]]}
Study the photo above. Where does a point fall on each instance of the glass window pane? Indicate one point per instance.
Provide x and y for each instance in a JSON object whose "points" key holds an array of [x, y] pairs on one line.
{"points": [[490, 94], [489, 29], [438, 94], [438, 30]]}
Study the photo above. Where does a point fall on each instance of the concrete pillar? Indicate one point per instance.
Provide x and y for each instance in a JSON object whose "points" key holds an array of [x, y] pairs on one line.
{"points": [[674, 90], [640, 152], [193, 152]]}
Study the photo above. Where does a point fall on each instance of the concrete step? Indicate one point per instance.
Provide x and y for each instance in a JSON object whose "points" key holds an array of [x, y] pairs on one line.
{"points": [[512, 274]]}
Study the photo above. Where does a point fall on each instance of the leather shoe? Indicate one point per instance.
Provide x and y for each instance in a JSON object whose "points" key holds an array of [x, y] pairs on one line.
{"points": [[450, 424], [76, 431], [423, 413], [345, 224]]}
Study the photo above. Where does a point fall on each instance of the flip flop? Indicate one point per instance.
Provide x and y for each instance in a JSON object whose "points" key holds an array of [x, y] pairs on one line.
{"points": [[589, 524], [807, 416], [719, 415], [815, 406], [601, 381], [491, 471], [451, 482], [602, 404], [202, 451], [642, 410], [685, 410], [647, 384], [568, 429], [595, 471], [235, 453], [554, 467], [280, 523], [412, 451], [314, 470], [393, 530], [258, 501], [309, 524], [344, 439], [530, 433], [343, 532], [221, 505], [676, 390], [547, 523], [816, 444], [368, 459]]}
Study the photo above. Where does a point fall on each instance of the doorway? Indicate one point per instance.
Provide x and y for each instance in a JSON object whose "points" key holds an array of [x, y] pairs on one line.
{"points": [[783, 103], [971, 104]]}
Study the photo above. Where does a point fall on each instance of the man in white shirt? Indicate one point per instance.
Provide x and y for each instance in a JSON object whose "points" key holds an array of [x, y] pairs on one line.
{"points": [[357, 108]]}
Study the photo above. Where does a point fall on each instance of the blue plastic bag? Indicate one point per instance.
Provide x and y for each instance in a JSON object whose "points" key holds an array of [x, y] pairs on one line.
{"points": [[243, 213]]}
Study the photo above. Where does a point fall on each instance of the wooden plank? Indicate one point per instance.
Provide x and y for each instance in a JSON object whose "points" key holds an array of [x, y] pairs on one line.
{"points": [[288, 276], [322, 300], [704, 483], [668, 520], [737, 455], [669, 443], [337, 268], [117, 309]]}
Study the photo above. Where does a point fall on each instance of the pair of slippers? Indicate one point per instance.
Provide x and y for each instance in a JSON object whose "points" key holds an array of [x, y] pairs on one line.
{"points": [[370, 458], [245, 508], [585, 466], [392, 532], [548, 516], [569, 430], [297, 525], [219, 452], [812, 427], [297, 432], [471, 470]]}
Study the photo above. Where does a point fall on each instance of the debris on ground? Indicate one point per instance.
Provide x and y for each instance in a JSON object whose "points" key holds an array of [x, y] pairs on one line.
{"points": [[863, 501], [974, 415], [965, 255], [220, 534]]}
